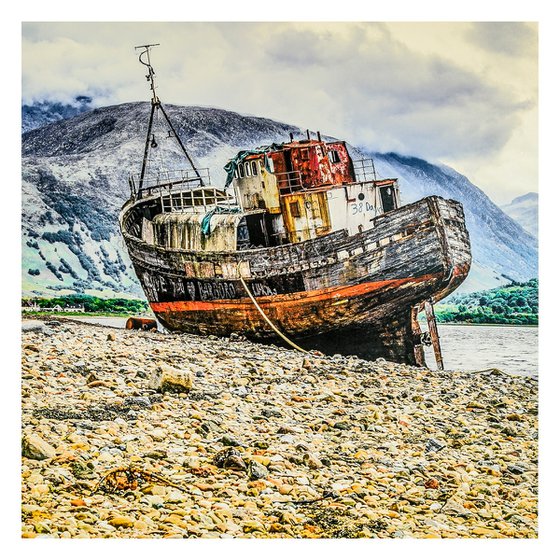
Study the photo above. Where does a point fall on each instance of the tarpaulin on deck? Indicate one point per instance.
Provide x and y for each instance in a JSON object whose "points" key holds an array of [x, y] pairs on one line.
{"points": [[232, 164]]}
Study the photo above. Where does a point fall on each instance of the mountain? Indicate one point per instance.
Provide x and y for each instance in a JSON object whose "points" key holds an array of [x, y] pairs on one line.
{"points": [[524, 210], [75, 179], [40, 113]]}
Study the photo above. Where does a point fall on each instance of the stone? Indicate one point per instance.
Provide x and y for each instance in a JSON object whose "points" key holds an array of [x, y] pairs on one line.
{"points": [[78, 502], [33, 326], [312, 461], [229, 458], [252, 526], [164, 378], [285, 489], [34, 447], [271, 413], [42, 527], [474, 405], [454, 508], [121, 521], [433, 446], [255, 470], [509, 430], [230, 440]]}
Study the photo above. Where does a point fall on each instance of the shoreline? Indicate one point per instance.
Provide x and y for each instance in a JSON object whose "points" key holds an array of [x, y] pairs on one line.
{"points": [[486, 325], [49, 315], [317, 446]]}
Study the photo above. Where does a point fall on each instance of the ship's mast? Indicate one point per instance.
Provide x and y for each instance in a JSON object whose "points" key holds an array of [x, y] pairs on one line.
{"points": [[156, 105], [151, 73]]}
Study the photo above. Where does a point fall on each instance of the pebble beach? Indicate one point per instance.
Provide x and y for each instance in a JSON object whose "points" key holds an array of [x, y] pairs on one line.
{"points": [[265, 442]]}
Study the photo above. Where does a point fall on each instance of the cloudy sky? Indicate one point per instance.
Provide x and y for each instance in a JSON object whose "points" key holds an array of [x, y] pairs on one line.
{"points": [[460, 93]]}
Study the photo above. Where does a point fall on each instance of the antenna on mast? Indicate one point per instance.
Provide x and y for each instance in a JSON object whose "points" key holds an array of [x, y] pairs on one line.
{"points": [[151, 73], [156, 105]]}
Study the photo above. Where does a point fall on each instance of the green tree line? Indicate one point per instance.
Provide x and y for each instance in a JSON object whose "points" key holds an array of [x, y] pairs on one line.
{"points": [[516, 303], [91, 304]]}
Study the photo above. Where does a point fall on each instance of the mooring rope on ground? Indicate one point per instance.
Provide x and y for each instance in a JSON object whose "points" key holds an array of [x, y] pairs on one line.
{"points": [[270, 323]]}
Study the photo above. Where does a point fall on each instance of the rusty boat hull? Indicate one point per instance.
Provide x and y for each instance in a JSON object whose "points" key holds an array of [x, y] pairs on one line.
{"points": [[354, 294]]}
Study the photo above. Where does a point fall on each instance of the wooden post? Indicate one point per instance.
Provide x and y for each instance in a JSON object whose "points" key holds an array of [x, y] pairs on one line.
{"points": [[419, 356], [432, 327]]}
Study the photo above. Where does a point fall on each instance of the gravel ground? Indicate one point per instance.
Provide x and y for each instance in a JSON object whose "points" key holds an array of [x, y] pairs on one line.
{"points": [[268, 442]]}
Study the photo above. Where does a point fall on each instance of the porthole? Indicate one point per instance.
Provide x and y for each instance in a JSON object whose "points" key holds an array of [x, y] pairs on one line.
{"points": [[361, 196]]}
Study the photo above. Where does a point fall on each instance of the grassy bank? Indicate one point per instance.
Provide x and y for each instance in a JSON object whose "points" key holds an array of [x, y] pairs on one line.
{"points": [[512, 304], [82, 304]]}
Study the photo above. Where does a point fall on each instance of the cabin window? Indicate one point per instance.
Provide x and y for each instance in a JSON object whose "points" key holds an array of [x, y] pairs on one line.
{"points": [[388, 198], [243, 241], [247, 169], [333, 156], [240, 170], [270, 164], [295, 209], [254, 167], [305, 153]]}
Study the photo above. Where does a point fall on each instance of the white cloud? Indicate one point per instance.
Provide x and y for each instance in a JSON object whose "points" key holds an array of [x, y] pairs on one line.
{"points": [[451, 92]]}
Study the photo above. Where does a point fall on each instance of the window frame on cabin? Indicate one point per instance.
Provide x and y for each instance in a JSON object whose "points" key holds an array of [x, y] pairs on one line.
{"points": [[270, 163], [295, 209], [334, 156]]}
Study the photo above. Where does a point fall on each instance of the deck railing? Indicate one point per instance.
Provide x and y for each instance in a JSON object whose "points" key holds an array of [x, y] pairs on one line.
{"points": [[154, 183], [199, 199], [289, 181]]}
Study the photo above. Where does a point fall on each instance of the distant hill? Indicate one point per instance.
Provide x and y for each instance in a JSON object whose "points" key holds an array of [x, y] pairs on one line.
{"points": [[524, 210], [75, 180]]}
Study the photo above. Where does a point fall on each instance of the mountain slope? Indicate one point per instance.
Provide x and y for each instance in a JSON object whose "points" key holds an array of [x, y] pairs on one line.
{"points": [[39, 114], [524, 210], [75, 179]]}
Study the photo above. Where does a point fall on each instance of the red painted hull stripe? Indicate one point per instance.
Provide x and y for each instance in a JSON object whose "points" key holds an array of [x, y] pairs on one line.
{"points": [[285, 300]]}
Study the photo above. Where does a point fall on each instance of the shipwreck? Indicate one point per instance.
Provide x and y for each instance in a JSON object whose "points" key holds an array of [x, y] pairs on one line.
{"points": [[303, 245]]}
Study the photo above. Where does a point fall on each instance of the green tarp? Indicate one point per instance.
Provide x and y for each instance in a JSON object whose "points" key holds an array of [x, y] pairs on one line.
{"points": [[232, 164]]}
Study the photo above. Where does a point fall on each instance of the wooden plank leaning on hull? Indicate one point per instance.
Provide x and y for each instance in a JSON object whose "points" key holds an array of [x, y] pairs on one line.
{"points": [[434, 335]]}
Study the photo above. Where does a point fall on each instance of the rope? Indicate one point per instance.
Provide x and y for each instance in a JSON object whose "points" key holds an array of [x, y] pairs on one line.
{"points": [[272, 326]]}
